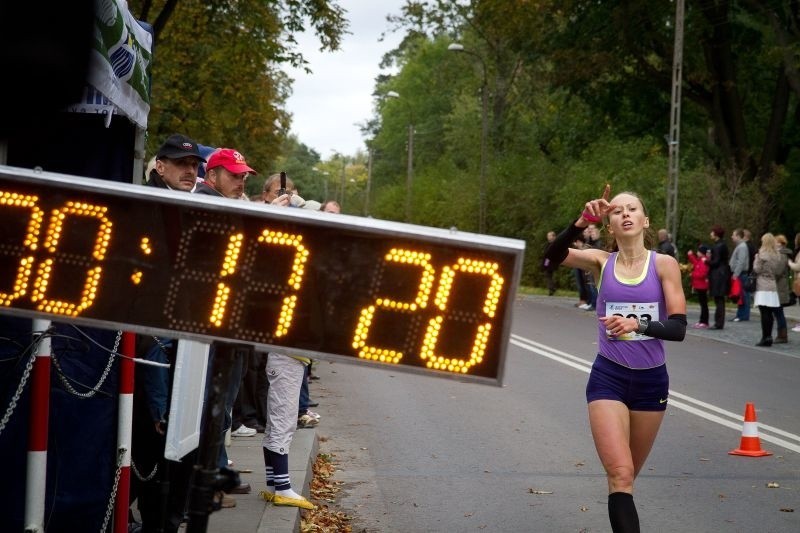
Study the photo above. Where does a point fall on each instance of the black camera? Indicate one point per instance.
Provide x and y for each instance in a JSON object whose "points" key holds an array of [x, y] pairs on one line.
{"points": [[282, 190]]}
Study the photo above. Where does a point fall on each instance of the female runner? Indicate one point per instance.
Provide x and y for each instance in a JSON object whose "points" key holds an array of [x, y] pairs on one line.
{"points": [[640, 304]]}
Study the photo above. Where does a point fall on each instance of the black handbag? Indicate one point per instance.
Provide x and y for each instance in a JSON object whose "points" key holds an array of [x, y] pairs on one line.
{"points": [[750, 282]]}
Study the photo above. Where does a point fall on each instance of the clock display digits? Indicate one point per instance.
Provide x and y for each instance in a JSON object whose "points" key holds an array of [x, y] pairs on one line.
{"points": [[295, 278], [427, 276], [483, 331], [229, 263], [46, 268], [108, 255], [31, 242], [197, 298]]}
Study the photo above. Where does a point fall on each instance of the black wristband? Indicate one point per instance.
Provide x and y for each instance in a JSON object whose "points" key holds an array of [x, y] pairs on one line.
{"points": [[671, 329], [559, 248]]}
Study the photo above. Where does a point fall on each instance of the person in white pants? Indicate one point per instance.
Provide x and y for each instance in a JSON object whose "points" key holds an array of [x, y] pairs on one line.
{"points": [[285, 375]]}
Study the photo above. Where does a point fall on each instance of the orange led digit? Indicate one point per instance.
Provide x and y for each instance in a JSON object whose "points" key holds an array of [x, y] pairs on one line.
{"points": [[295, 278], [229, 263], [145, 246], [20, 286], [481, 340], [46, 267], [367, 314]]}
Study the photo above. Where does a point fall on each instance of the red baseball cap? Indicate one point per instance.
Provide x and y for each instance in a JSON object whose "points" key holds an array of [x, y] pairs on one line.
{"points": [[229, 159]]}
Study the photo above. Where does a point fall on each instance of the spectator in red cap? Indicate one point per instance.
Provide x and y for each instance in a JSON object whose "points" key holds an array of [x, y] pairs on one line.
{"points": [[226, 173]]}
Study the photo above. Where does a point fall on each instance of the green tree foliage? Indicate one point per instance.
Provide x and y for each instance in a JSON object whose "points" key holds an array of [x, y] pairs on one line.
{"points": [[215, 68], [579, 96]]}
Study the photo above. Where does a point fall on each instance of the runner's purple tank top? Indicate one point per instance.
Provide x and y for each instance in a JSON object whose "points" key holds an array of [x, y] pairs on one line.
{"points": [[641, 297]]}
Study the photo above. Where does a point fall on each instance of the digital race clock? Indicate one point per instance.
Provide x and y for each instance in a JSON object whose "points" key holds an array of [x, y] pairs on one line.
{"points": [[301, 282]]}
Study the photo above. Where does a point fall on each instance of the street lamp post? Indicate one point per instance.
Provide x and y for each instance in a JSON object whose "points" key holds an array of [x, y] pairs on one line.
{"points": [[410, 169], [369, 180], [457, 47], [344, 180], [324, 174]]}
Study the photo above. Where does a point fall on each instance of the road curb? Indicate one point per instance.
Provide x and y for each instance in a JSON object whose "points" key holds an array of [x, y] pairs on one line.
{"points": [[253, 514]]}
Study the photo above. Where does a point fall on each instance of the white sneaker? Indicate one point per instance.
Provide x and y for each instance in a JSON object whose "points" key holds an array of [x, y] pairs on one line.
{"points": [[796, 328], [312, 414], [243, 431], [584, 307]]}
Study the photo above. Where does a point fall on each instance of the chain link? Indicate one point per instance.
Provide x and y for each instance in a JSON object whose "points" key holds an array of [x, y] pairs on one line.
{"points": [[96, 388], [25, 375], [110, 509], [139, 476]]}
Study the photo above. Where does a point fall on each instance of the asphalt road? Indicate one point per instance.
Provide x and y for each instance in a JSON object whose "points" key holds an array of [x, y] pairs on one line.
{"points": [[417, 453]]}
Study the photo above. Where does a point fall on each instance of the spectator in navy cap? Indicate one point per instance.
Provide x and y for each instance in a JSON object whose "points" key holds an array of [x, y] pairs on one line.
{"points": [[176, 164]]}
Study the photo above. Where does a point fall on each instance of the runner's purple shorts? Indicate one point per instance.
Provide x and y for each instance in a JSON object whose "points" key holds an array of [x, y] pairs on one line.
{"points": [[639, 389]]}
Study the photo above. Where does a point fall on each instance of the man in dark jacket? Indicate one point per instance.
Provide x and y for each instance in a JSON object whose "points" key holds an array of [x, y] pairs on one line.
{"points": [[176, 165], [719, 275]]}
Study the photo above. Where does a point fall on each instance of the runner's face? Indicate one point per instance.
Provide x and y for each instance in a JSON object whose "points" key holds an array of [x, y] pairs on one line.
{"points": [[628, 217]]}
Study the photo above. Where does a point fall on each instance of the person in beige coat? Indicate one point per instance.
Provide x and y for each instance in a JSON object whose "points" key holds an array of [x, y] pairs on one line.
{"points": [[795, 267], [768, 265]]}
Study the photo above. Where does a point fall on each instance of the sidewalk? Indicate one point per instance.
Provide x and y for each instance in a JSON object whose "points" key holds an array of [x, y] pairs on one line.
{"points": [[252, 514]]}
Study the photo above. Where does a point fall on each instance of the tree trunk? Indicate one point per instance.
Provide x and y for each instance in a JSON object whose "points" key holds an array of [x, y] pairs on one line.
{"points": [[772, 140], [720, 63]]}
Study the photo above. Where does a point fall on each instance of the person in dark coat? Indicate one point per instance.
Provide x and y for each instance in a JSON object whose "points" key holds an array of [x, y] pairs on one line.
{"points": [[719, 275]]}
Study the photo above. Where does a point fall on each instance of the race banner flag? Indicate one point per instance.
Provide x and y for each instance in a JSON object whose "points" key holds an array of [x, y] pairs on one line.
{"points": [[120, 66]]}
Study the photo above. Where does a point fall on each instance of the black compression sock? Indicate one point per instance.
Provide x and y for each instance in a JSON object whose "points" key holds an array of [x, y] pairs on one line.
{"points": [[622, 513]]}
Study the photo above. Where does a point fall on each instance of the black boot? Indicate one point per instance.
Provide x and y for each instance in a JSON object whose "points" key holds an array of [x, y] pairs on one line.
{"points": [[782, 337], [765, 341]]}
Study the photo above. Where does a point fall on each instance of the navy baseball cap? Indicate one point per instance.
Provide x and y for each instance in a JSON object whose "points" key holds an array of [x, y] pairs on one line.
{"points": [[178, 146]]}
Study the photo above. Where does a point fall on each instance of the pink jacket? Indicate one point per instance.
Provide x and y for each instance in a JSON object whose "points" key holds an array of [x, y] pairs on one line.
{"points": [[699, 271]]}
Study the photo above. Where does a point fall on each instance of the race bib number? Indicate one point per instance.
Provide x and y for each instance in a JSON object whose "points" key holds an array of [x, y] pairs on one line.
{"points": [[632, 310]]}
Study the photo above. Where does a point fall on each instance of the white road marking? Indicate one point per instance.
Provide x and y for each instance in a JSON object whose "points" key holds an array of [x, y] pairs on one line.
{"points": [[699, 408]]}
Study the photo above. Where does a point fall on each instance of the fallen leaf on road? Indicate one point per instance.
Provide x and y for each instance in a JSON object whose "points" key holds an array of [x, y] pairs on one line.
{"points": [[787, 510], [584, 508], [773, 485], [537, 491]]}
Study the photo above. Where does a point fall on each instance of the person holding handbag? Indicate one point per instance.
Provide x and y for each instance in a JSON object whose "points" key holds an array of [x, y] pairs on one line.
{"points": [[768, 264]]}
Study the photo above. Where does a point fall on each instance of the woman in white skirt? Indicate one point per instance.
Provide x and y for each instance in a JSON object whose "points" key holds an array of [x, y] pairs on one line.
{"points": [[767, 265]]}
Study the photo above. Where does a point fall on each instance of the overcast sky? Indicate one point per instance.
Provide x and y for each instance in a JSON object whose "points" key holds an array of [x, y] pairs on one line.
{"points": [[327, 104]]}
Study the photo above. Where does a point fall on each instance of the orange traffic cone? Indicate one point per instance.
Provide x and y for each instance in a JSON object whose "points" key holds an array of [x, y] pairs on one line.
{"points": [[750, 444]]}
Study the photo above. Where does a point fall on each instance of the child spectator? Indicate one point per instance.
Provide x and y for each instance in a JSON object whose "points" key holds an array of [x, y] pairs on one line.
{"points": [[699, 276]]}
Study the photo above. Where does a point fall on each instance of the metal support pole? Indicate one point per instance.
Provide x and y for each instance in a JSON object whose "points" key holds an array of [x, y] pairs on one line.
{"points": [[369, 183], [125, 431], [675, 126], [207, 476], [409, 171], [36, 478], [344, 181], [484, 135]]}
